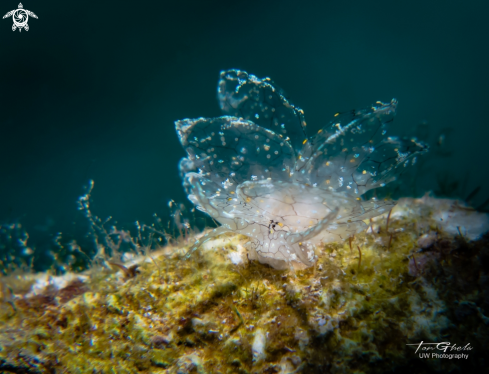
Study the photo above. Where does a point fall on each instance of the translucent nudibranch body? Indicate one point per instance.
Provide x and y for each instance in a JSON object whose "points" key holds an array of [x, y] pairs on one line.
{"points": [[257, 173]]}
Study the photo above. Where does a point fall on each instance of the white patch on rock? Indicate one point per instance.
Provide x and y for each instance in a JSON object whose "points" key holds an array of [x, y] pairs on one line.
{"points": [[57, 282], [258, 346]]}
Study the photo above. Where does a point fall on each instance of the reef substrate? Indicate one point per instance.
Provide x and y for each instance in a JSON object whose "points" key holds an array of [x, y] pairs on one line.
{"points": [[421, 275]]}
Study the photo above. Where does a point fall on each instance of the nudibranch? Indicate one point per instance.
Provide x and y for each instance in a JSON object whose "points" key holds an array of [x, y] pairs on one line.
{"points": [[256, 172]]}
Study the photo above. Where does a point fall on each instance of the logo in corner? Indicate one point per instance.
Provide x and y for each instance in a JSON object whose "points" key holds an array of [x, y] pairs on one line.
{"points": [[20, 17]]}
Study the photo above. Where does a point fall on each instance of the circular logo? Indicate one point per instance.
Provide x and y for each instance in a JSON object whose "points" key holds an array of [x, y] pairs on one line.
{"points": [[20, 17]]}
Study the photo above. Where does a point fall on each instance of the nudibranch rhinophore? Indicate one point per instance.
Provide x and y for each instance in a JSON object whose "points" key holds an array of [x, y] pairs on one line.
{"points": [[256, 172]]}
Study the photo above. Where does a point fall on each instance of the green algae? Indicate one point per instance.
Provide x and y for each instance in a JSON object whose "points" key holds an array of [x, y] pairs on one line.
{"points": [[208, 315]]}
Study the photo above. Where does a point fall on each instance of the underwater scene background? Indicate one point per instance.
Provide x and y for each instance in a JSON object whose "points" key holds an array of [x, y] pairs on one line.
{"points": [[99, 215]]}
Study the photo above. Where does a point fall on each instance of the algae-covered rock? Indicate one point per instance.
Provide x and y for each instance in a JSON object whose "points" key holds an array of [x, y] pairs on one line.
{"points": [[408, 280]]}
